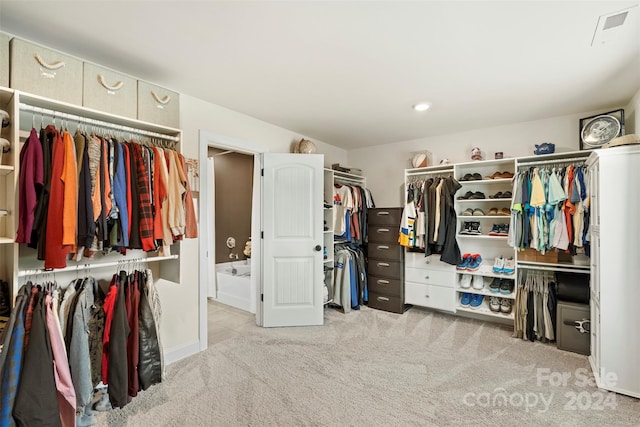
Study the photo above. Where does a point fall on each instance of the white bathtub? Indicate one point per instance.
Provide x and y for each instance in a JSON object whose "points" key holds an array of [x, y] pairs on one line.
{"points": [[234, 288]]}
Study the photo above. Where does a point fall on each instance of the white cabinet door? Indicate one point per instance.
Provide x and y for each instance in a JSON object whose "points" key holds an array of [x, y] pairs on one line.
{"points": [[292, 218]]}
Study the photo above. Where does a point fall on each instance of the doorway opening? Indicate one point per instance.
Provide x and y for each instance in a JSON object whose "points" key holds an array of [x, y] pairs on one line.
{"points": [[230, 246]]}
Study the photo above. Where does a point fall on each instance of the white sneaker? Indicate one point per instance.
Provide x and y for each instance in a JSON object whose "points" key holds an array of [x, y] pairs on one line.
{"points": [[498, 265], [465, 281], [509, 266], [478, 282], [494, 304]]}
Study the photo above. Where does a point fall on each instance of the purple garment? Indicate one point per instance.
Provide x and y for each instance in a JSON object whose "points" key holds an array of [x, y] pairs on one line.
{"points": [[64, 385], [31, 181]]}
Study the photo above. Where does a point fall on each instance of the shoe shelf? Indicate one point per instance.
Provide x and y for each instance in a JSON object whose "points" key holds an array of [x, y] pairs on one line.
{"points": [[328, 231], [328, 260], [471, 217], [484, 200], [485, 181], [486, 292], [482, 236], [486, 311], [487, 271], [5, 240], [6, 170]]}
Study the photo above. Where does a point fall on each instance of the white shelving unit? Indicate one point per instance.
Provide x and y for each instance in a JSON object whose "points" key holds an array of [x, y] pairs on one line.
{"points": [[332, 177], [16, 259]]}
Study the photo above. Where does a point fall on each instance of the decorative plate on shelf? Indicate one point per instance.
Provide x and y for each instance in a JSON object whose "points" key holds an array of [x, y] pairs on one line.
{"points": [[600, 130]]}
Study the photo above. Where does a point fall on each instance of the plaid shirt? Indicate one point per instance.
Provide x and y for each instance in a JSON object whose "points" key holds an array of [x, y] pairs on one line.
{"points": [[13, 362], [145, 212]]}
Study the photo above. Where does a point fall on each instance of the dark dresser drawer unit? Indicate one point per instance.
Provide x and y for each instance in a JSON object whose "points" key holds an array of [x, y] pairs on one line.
{"points": [[385, 260]]}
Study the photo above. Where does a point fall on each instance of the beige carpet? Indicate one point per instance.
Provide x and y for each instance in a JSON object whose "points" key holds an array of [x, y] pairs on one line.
{"points": [[373, 368]]}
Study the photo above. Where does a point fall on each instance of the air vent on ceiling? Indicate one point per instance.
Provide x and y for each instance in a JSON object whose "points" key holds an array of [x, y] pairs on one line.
{"points": [[614, 20], [615, 26]]}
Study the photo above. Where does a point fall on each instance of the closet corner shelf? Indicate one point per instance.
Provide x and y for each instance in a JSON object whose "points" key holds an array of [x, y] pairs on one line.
{"points": [[485, 311], [6, 170], [486, 292], [328, 260], [328, 231]]}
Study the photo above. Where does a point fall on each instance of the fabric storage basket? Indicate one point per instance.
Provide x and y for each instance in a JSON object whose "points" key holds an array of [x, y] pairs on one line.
{"points": [[42, 71], [109, 91], [158, 105], [4, 60]]}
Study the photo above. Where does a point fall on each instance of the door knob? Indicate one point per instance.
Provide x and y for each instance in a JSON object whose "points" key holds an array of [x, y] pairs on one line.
{"points": [[318, 248]]}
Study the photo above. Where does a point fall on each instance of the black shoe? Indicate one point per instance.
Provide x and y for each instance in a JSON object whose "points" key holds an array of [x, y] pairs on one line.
{"points": [[495, 285], [506, 287], [466, 228], [475, 228]]}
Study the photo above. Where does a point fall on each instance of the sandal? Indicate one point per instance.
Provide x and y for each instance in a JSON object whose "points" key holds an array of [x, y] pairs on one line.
{"points": [[494, 175], [466, 196], [504, 212], [493, 211], [506, 174], [476, 177], [498, 195], [478, 195], [467, 212], [506, 195]]}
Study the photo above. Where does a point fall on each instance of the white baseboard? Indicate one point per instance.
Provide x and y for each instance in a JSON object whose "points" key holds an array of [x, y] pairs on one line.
{"points": [[178, 353]]}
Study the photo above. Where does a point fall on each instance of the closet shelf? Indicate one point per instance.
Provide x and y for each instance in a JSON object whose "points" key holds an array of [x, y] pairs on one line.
{"points": [[89, 266], [6, 170], [487, 271], [483, 200], [5, 240], [484, 310], [486, 292], [481, 236], [549, 266], [328, 260], [486, 181], [471, 217]]}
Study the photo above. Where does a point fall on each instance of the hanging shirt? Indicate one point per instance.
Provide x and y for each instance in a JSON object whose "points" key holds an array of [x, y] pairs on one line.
{"points": [[30, 184]]}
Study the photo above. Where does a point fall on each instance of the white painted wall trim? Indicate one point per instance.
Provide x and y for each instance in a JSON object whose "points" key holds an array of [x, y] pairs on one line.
{"points": [[178, 353], [206, 140]]}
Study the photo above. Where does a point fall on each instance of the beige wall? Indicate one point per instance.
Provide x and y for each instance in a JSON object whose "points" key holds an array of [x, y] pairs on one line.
{"points": [[384, 165], [234, 188]]}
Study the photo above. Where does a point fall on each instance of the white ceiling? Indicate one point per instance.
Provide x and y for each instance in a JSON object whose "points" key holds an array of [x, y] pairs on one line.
{"points": [[347, 72]]}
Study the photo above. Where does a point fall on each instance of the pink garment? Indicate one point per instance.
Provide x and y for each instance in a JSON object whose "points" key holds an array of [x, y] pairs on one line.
{"points": [[31, 178], [64, 386]]}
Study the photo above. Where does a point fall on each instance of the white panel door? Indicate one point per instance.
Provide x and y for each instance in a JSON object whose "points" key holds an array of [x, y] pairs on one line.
{"points": [[292, 222]]}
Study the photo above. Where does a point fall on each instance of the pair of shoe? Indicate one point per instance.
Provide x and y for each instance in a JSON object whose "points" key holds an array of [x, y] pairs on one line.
{"points": [[500, 175], [471, 300], [472, 195], [467, 279], [470, 262], [471, 177], [501, 211], [504, 265], [471, 227], [473, 212], [499, 230], [503, 286], [501, 195], [500, 305]]}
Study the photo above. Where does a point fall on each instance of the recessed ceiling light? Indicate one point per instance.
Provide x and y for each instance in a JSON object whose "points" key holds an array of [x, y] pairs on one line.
{"points": [[421, 106]]}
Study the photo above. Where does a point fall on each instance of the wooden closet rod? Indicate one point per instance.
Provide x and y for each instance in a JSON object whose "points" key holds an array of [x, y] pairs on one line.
{"points": [[78, 267]]}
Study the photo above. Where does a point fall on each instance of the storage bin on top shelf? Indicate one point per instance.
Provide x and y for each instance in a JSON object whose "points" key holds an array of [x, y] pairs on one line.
{"points": [[46, 72]]}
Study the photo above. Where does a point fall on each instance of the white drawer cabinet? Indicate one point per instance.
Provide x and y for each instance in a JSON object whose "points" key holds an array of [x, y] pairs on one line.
{"points": [[432, 296], [430, 277]]}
